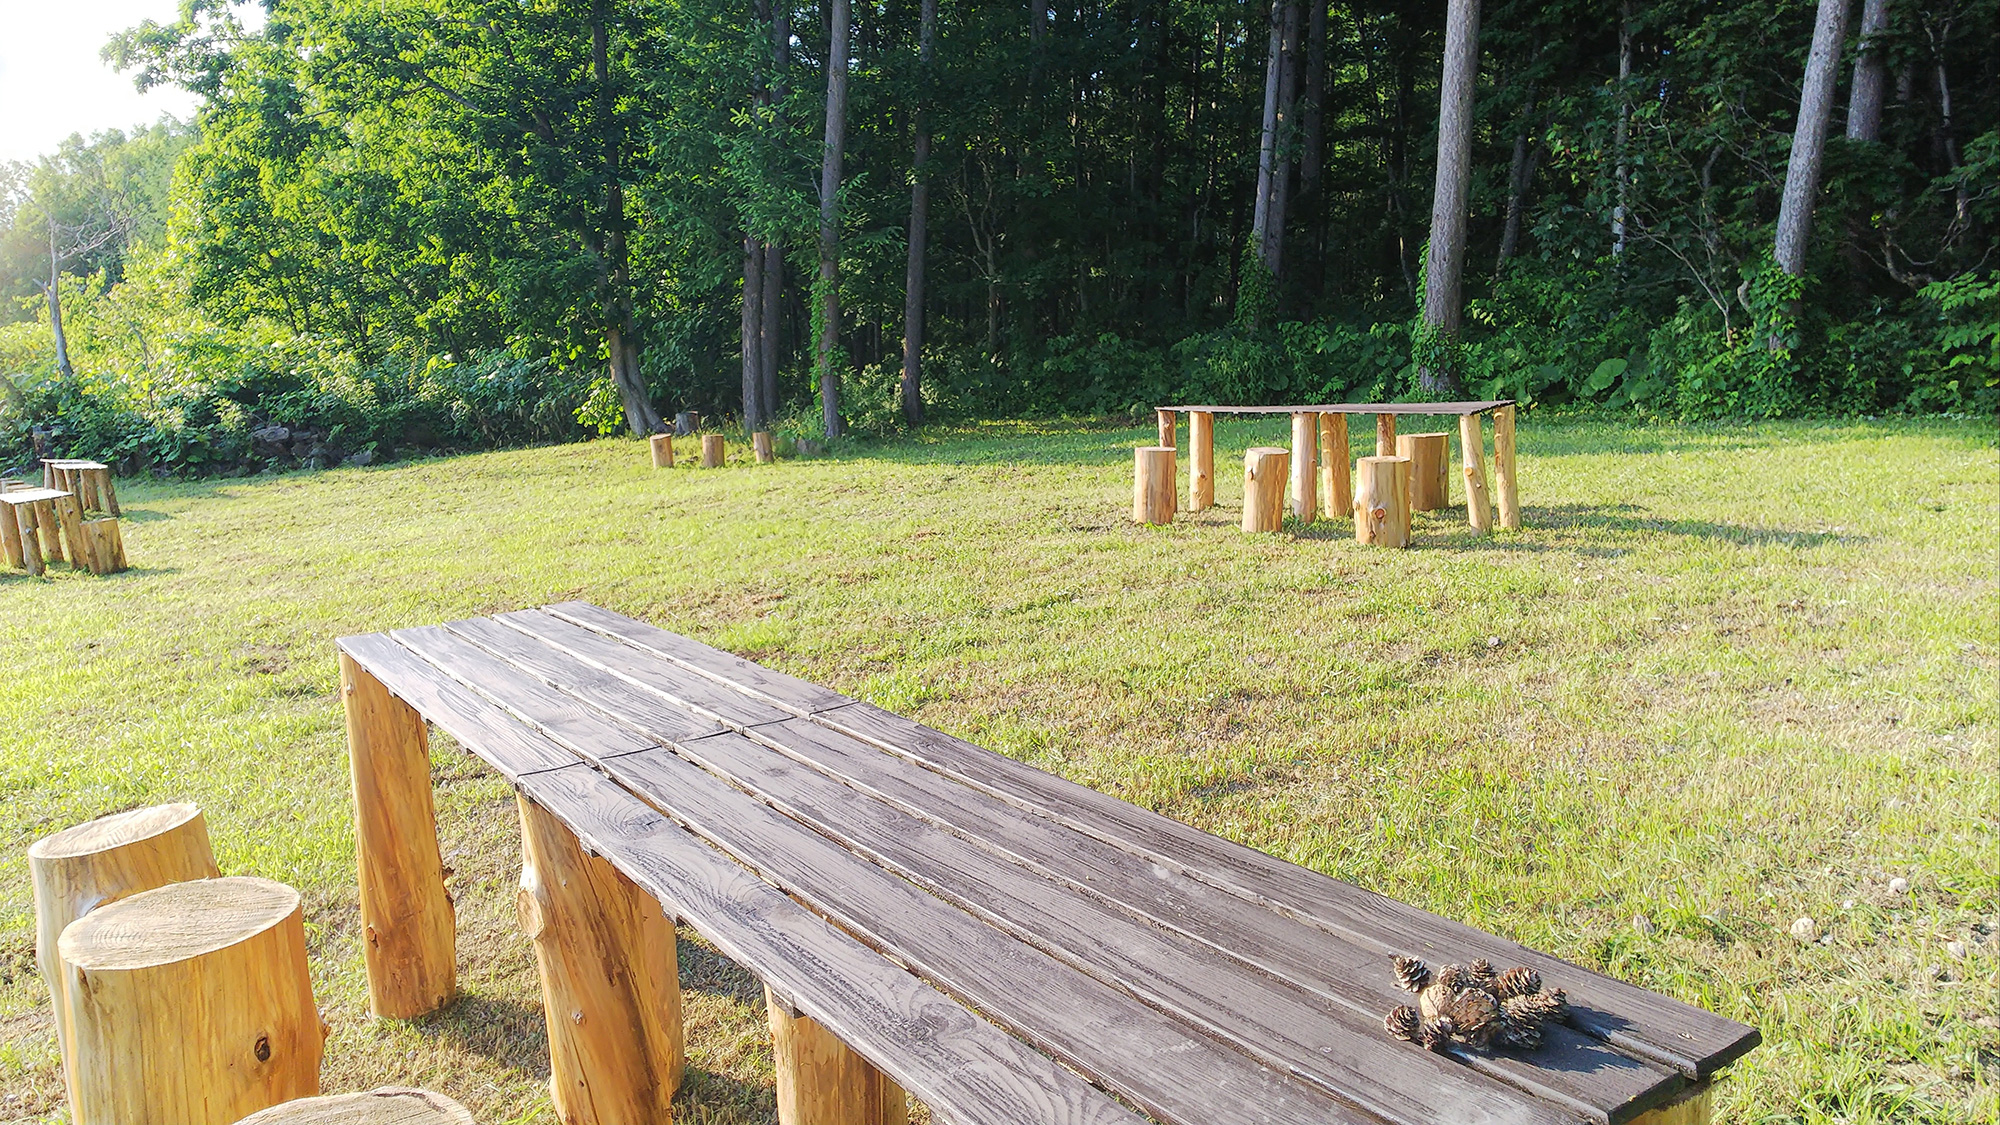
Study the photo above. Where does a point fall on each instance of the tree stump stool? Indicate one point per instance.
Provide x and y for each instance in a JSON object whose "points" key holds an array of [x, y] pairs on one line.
{"points": [[390, 1105], [1264, 471], [1429, 456], [1154, 491], [190, 1005], [106, 545], [663, 451], [821, 1081], [712, 450], [99, 862], [760, 444], [1382, 501]]}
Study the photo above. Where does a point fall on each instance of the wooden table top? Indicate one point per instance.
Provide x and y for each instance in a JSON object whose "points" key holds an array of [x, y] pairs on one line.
{"points": [[71, 463], [31, 495], [1355, 408], [1202, 981]]}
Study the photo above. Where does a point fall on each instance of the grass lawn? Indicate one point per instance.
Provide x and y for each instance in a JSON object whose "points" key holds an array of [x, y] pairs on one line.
{"points": [[1725, 678]]}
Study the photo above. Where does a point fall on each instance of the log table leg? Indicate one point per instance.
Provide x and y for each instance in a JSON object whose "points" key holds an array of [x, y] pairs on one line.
{"points": [[1305, 466], [1472, 453], [1264, 471], [1385, 435], [191, 1005], [1153, 484], [1427, 455], [1201, 464], [107, 494], [1336, 484], [10, 537], [1166, 418], [99, 862], [50, 532], [821, 1081], [406, 914], [663, 451], [71, 518], [23, 517], [1694, 1107], [1382, 501], [1503, 468], [611, 992]]}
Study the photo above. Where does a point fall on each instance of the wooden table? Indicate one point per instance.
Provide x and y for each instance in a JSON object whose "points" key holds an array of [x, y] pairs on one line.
{"points": [[89, 480], [1319, 439], [971, 929], [31, 527]]}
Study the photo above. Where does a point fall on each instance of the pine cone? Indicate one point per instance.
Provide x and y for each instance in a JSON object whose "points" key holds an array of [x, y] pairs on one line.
{"points": [[1541, 1007], [1475, 1018], [1437, 1034], [1404, 1024], [1455, 979], [1517, 982], [1482, 971], [1412, 975], [1522, 1031]]}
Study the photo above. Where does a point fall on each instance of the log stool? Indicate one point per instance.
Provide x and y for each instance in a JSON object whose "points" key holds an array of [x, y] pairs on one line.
{"points": [[190, 1005], [390, 1105], [821, 1081], [99, 862], [1428, 455], [1382, 501], [1264, 471], [611, 991], [711, 451], [663, 451], [1154, 492]]}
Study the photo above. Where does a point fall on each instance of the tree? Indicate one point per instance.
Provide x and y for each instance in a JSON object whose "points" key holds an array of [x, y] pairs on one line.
{"points": [[1864, 101], [1267, 229], [1802, 171], [920, 211], [828, 359], [1437, 361]]}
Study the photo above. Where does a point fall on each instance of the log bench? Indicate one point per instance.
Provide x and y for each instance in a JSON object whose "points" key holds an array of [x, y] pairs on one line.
{"points": [[1320, 469], [1005, 945]]}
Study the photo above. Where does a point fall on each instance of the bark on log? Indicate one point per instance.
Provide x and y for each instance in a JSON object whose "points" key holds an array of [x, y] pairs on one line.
{"points": [[823, 1082], [1385, 435], [407, 920], [1167, 425], [663, 451], [1264, 471], [81, 555], [390, 1105], [23, 518], [1154, 490], [99, 862], [49, 532], [10, 537], [107, 545], [712, 451], [611, 991], [1428, 455], [1382, 501], [191, 1005]]}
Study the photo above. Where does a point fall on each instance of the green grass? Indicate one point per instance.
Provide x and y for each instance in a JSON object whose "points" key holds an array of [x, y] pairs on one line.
{"points": [[1725, 678]]}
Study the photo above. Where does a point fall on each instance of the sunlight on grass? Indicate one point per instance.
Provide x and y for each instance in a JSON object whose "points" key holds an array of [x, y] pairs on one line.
{"points": [[1726, 677]]}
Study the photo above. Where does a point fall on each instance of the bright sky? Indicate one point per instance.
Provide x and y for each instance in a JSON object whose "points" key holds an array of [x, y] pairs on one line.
{"points": [[53, 84]]}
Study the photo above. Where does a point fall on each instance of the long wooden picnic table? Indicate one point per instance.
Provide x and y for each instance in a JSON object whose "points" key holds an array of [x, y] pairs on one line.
{"points": [[1006, 945]]}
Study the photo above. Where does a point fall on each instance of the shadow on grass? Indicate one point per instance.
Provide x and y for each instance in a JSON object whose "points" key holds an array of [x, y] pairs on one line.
{"points": [[1445, 530], [705, 970], [509, 1032]]}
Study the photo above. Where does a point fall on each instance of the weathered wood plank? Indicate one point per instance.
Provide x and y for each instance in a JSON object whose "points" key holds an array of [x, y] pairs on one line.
{"points": [[704, 695], [1159, 1063], [593, 686], [1649, 1025], [506, 745], [789, 692], [965, 1069], [581, 729]]}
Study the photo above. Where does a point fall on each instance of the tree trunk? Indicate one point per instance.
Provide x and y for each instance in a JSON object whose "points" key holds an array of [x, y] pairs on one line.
{"points": [[1267, 144], [615, 277], [1809, 138], [53, 290], [1437, 372], [1273, 248], [1312, 118], [1621, 141], [829, 216], [1864, 102], [920, 217], [1520, 173], [753, 334], [771, 323]]}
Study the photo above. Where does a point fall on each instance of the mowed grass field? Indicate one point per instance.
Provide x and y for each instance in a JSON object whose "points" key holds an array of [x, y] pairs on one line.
{"points": [[1724, 678]]}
